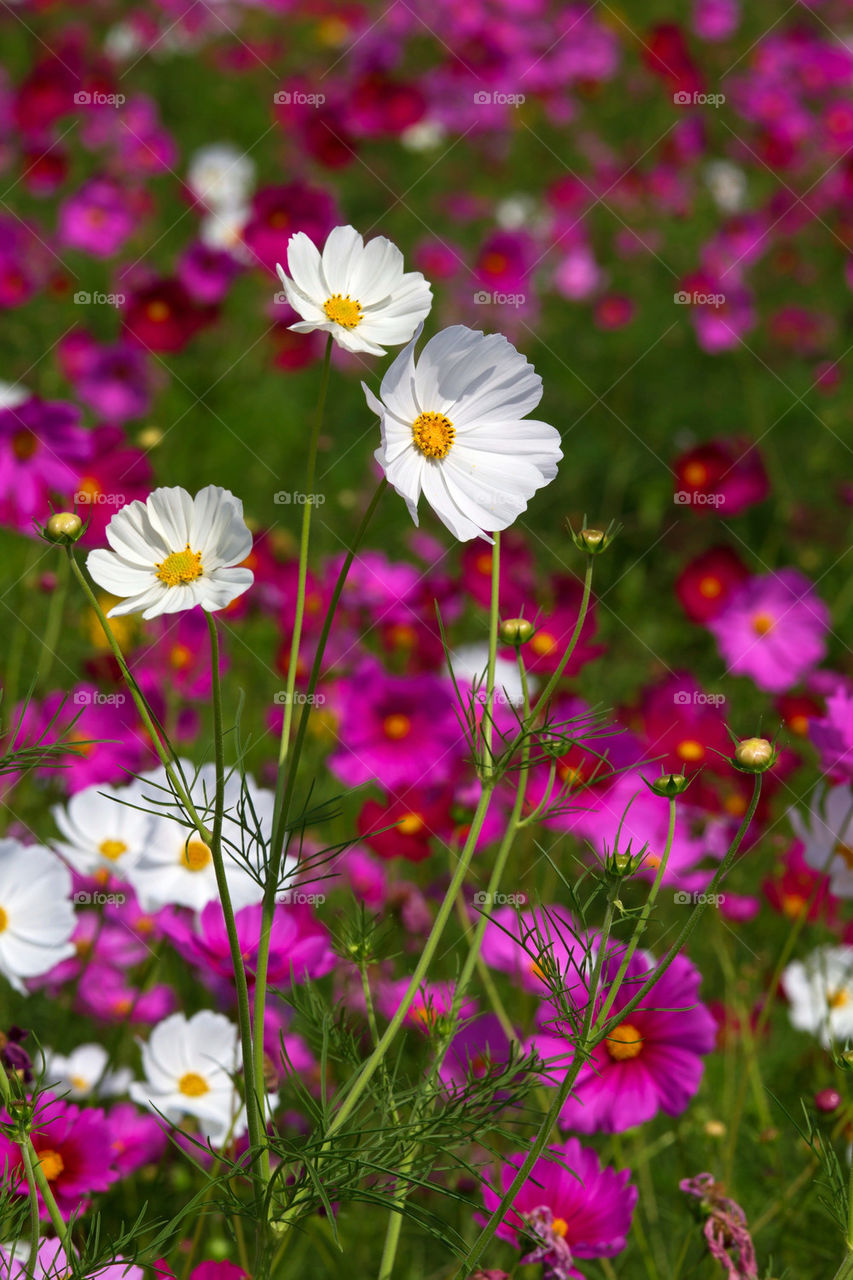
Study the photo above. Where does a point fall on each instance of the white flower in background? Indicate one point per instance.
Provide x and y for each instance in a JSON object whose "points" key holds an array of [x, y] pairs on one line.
{"points": [[827, 834], [223, 229], [175, 551], [454, 428], [470, 666], [426, 135], [221, 176], [103, 829], [36, 915], [357, 292], [727, 185], [189, 1067], [516, 211], [176, 865], [12, 394], [81, 1073], [820, 994]]}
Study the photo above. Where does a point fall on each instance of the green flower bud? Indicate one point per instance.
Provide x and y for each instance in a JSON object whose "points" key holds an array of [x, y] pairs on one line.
{"points": [[754, 755], [669, 784], [65, 527], [516, 631]]}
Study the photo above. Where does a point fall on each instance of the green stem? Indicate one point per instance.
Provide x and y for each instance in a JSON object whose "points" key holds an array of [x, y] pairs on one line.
{"points": [[285, 786], [546, 693], [35, 1227], [254, 1102], [29, 1152]]}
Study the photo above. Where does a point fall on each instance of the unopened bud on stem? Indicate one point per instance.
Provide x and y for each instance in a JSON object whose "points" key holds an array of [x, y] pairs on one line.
{"points": [[754, 755], [516, 631], [65, 527]]}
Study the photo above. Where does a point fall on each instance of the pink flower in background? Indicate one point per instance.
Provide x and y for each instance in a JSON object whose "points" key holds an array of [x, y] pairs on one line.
{"points": [[279, 212], [569, 1208], [51, 1263], [723, 477], [715, 19], [651, 1062], [773, 629], [112, 380], [207, 273], [42, 449], [533, 944], [106, 995], [98, 218], [74, 1149], [118, 473], [137, 1138], [832, 734]]}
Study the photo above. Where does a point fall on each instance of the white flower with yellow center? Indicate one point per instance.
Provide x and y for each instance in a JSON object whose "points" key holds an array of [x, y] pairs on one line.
{"points": [[83, 1072], [454, 428], [357, 292], [175, 551], [189, 1070], [36, 915], [176, 865], [827, 834], [103, 832], [820, 994]]}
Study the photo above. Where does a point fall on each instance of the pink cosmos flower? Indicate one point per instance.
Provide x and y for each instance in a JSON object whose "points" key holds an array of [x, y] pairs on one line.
{"points": [[113, 380], [106, 995], [74, 1149], [279, 212], [98, 218], [722, 477], [399, 731], [137, 1138], [526, 944], [833, 736], [42, 449], [52, 1263], [773, 629], [651, 1062], [569, 1208]]}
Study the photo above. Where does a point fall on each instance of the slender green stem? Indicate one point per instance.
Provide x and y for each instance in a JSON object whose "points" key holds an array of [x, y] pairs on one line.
{"points": [[640, 926], [545, 695], [392, 1239], [285, 786], [254, 1102], [304, 539], [28, 1151], [35, 1227]]}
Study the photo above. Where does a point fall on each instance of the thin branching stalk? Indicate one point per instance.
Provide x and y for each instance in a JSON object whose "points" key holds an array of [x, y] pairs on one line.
{"points": [[30, 1154]]}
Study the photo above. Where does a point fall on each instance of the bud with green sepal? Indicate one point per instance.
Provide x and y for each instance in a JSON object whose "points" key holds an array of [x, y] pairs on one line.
{"points": [[65, 528], [669, 784], [754, 755], [516, 631], [592, 541]]}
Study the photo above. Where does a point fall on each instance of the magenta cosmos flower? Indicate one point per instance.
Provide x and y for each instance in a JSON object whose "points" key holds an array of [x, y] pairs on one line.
{"points": [[773, 629], [569, 1208], [399, 731], [42, 448], [833, 736], [651, 1062], [74, 1148]]}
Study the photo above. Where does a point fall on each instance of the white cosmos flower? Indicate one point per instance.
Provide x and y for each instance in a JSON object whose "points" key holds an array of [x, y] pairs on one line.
{"points": [[104, 832], [454, 428], [820, 994], [470, 665], [189, 1067], [175, 551], [82, 1070], [221, 176], [357, 292], [176, 866], [36, 915], [827, 833]]}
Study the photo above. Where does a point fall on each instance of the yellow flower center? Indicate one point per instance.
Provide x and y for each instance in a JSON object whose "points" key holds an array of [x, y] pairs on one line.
{"points": [[180, 567], [762, 623], [411, 824], [112, 849], [345, 311], [543, 642], [51, 1163], [4, 920], [695, 473], [195, 855], [710, 587], [396, 726], [837, 999], [433, 434], [192, 1085], [559, 1226], [690, 749], [80, 1083], [624, 1042], [180, 656]]}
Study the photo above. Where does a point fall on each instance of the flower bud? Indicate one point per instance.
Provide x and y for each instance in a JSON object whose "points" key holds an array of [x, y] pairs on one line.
{"points": [[754, 755], [669, 784], [516, 631], [65, 527], [827, 1100], [592, 541]]}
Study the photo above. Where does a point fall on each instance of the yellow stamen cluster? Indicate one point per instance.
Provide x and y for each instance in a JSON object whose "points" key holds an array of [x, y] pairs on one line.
{"points": [[433, 434], [624, 1042], [345, 311], [195, 856], [180, 567], [112, 849], [192, 1085], [4, 920]]}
